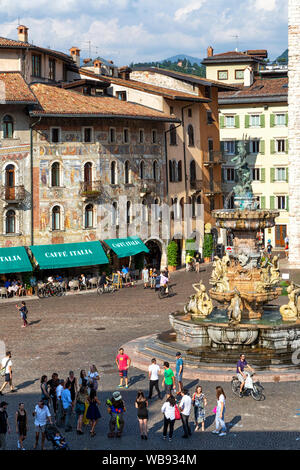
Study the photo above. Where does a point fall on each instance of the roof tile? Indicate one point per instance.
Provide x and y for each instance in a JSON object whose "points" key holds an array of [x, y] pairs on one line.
{"points": [[15, 88]]}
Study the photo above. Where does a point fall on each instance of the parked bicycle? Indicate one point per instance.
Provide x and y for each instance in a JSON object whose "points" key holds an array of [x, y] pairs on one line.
{"points": [[165, 291], [250, 388], [108, 289], [50, 290]]}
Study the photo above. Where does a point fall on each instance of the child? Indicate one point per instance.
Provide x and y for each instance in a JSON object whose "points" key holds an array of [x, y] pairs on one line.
{"points": [[60, 441], [23, 311]]}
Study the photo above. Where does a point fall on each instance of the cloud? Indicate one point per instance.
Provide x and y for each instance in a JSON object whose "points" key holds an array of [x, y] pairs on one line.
{"points": [[267, 5], [182, 13]]}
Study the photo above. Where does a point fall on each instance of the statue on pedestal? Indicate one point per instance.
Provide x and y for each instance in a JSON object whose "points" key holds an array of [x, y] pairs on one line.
{"points": [[291, 310], [200, 304], [235, 309]]}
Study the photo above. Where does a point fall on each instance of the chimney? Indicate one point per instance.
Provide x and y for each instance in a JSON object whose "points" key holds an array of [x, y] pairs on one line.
{"points": [[86, 61], [97, 66], [124, 72], [210, 51], [75, 53], [22, 33], [248, 76]]}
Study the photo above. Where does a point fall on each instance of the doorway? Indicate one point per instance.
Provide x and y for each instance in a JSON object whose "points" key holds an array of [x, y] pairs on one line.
{"points": [[280, 234]]}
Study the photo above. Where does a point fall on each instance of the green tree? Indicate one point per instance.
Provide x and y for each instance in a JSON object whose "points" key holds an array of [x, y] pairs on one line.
{"points": [[172, 253]]}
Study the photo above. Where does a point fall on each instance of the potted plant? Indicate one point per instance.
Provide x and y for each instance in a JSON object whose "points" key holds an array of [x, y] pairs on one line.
{"points": [[207, 247], [172, 253]]}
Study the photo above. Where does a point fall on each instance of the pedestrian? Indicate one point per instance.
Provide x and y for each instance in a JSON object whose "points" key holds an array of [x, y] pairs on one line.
{"points": [[220, 412], [168, 409], [41, 416], [168, 380], [286, 246], [123, 362], [21, 425], [179, 372], [83, 379], [4, 425], [141, 404], [6, 371], [153, 371], [59, 406], [116, 409], [199, 402], [153, 278], [80, 401], [145, 277], [185, 406], [73, 382], [24, 312], [93, 413], [93, 378], [44, 390], [53, 383], [269, 248], [197, 262], [67, 406]]}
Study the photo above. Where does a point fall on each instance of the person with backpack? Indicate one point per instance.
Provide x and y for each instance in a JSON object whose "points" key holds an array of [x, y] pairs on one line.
{"points": [[116, 409], [23, 311]]}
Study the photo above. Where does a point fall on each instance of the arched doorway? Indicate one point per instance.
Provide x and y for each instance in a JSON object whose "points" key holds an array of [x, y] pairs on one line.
{"points": [[153, 258]]}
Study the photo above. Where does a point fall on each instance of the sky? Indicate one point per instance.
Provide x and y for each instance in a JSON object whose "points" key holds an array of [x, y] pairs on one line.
{"points": [[128, 31]]}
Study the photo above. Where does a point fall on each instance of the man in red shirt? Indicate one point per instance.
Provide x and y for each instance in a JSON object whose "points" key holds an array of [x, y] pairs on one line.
{"points": [[123, 362]]}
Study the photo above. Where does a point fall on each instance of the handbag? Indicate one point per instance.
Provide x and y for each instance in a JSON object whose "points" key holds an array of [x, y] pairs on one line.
{"points": [[177, 413], [2, 371]]}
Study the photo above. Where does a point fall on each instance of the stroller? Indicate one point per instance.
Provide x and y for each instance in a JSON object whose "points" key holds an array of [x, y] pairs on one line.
{"points": [[54, 436]]}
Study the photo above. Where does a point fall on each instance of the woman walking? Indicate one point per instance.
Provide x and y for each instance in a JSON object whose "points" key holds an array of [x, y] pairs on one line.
{"points": [[93, 413], [93, 378], [141, 404], [168, 409], [199, 401], [45, 397], [220, 412], [71, 380], [83, 380], [80, 401], [21, 425]]}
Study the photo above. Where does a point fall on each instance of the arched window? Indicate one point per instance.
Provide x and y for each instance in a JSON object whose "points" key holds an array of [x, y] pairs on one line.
{"points": [[8, 127], [128, 210], [142, 170], [144, 211], [155, 170], [55, 174], [88, 176], [174, 170], [156, 209], [179, 171], [10, 182], [114, 214], [127, 173], [193, 170], [173, 135], [10, 222], [56, 218], [113, 173], [191, 136], [89, 216]]}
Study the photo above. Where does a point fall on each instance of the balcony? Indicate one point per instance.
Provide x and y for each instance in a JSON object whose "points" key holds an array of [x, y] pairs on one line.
{"points": [[90, 190], [13, 194], [213, 157]]}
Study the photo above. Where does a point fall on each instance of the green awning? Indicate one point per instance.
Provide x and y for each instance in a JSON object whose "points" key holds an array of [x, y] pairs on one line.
{"points": [[68, 255], [14, 260], [127, 246]]}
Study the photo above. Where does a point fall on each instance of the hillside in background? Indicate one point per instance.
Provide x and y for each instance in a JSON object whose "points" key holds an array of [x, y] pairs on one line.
{"points": [[283, 58], [173, 63]]}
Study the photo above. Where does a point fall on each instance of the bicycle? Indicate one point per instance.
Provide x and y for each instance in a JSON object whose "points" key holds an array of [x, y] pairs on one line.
{"points": [[254, 389], [165, 291], [109, 289]]}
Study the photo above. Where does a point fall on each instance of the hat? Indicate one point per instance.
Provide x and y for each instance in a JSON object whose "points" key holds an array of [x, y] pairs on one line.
{"points": [[3, 403], [178, 354], [117, 396]]}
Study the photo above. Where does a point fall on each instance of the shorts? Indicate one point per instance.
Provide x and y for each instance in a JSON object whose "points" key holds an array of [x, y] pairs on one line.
{"points": [[168, 389], [7, 378], [40, 428], [123, 373], [241, 378], [179, 377], [22, 430]]}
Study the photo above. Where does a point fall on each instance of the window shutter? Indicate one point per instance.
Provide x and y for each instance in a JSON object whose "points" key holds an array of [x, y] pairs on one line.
{"points": [[262, 202], [286, 145], [272, 175], [272, 146], [286, 203], [222, 146], [272, 120], [262, 121], [286, 119], [222, 122], [247, 121], [237, 121], [272, 202], [287, 175], [262, 147], [262, 175]]}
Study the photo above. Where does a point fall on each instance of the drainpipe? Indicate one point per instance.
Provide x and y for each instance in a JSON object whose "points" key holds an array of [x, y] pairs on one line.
{"points": [[31, 180]]}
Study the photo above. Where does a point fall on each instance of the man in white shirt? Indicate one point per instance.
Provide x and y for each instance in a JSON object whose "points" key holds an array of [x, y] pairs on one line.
{"points": [[6, 364], [185, 406], [41, 414], [59, 408], [154, 370]]}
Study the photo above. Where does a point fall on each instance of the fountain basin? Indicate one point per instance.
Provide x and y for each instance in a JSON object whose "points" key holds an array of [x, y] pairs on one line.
{"points": [[232, 337]]}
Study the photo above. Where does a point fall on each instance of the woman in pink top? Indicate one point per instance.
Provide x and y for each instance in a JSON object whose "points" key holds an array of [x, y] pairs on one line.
{"points": [[123, 362]]}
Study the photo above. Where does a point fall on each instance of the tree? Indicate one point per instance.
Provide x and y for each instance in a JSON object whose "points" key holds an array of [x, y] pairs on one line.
{"points": [[172, 253]]}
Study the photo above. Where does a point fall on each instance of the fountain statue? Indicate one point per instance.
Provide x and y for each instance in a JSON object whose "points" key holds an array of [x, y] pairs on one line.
{"points": [[291, 310], [200, 304]]}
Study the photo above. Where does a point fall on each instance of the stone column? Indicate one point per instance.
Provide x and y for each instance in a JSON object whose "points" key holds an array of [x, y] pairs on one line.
{"points": [[294, 132]]}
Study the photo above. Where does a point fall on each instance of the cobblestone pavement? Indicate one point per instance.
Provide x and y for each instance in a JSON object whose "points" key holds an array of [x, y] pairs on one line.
{"points": [[72, 332]]}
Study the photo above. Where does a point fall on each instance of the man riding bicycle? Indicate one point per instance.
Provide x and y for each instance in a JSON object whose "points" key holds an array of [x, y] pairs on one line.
{"points": [[104, 280], [240, 367], [164, 282]]}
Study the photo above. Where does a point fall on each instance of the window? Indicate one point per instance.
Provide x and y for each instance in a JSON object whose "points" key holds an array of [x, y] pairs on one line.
{"points": [[87, 134], [179, 170], [239, 74], [229, 174], [212, 204], [209, 117], [280, 174], [280, 202], [112, 135], [229, 147], [190, 136], [113, 173], [255, 120], [154, 136], [157, 213], [127, 173], [55, 174], [144, 211], [171, 176], [10, 223], [142, 170], [56, 218], [155, 170], [256, 174], [258, 202], [141, 136], [222, 74], [55, 134], [173, 135], [52, 69], [8, 127], [128, 210], [121, 95], [89, 216], [254, 146], [115, 215], [280, 145], [193, 170], [171, 110], [125, 136], [207, 92], [229, 121], [190, 114], [279, 119], [36, 65]]}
